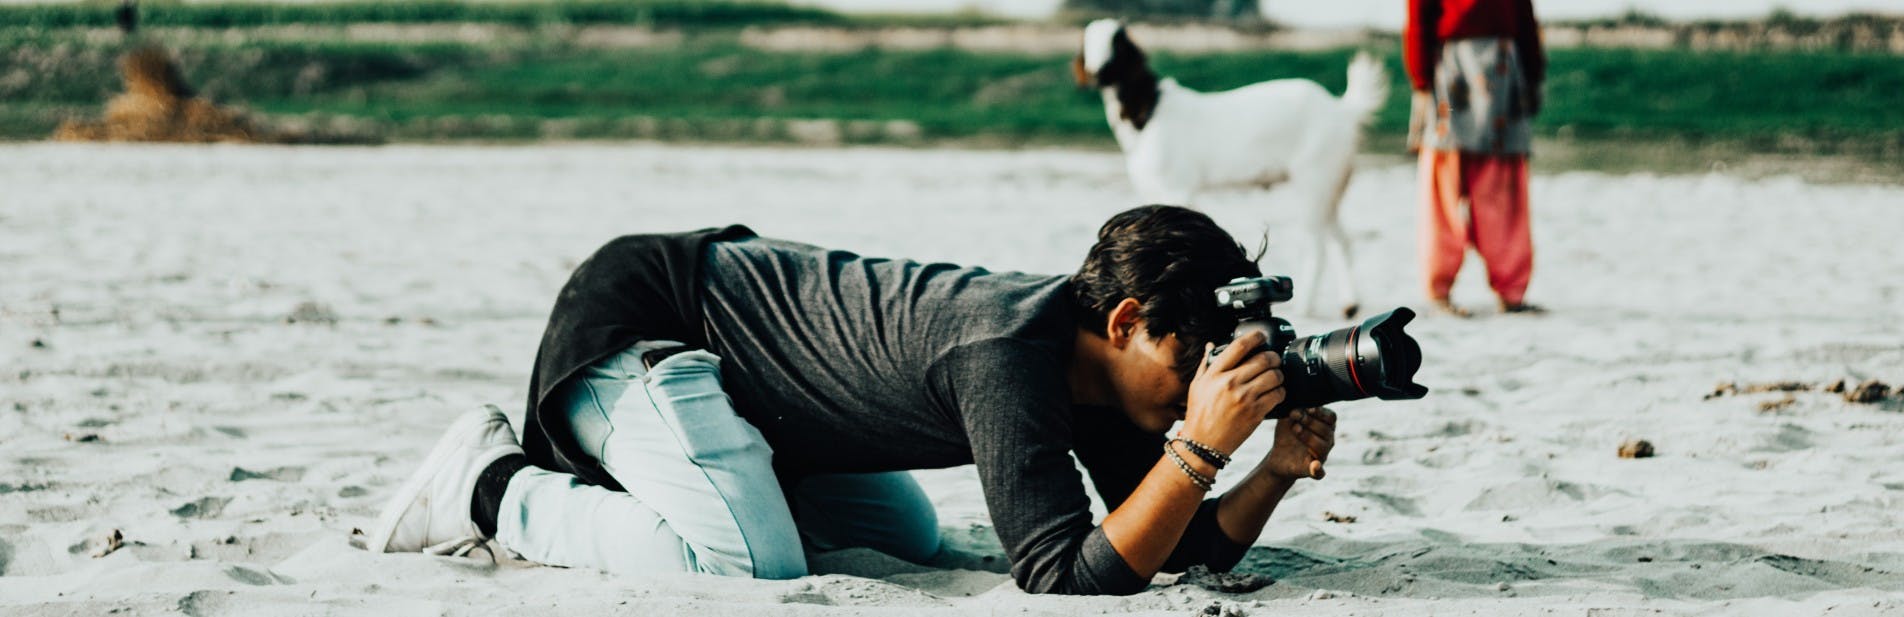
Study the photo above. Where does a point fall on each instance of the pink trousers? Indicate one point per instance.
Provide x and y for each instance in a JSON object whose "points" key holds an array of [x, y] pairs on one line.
{"points": [[1494, 190]]}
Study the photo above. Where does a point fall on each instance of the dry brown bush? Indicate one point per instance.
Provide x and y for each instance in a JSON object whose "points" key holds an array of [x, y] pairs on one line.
{"points": [[159, 106]]}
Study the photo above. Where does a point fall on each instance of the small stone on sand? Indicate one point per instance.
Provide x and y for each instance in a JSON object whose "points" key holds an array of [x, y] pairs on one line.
{"points": [[110, 543], [1636, 448], [1731, 388], [1870, 391], [311, 312]]}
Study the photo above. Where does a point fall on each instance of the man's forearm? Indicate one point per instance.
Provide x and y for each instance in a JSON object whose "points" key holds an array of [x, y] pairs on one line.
{"points": [[1146, 528], [1247, 506]]}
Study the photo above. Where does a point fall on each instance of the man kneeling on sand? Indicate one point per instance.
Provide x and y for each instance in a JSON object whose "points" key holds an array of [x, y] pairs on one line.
{"points": [[719, 402]]}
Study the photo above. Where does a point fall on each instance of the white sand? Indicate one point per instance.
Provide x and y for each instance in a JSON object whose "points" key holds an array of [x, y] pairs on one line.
{"points": [[235, 450]]}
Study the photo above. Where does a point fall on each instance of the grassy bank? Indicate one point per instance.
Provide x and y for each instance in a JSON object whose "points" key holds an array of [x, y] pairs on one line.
{"points": [[649, 13], [707, 85], [252, 14]]}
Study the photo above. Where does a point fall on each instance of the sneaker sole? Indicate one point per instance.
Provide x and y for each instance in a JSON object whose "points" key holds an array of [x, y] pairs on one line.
{"points": [[461, 431]]}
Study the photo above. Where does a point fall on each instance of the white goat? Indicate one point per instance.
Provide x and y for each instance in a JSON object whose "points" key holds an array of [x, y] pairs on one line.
{"points": [[1179, 142]]}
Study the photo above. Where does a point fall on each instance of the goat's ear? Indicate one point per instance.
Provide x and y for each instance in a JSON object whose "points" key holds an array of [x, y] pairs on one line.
{"points": [[1078, 73], [1123, 48]]}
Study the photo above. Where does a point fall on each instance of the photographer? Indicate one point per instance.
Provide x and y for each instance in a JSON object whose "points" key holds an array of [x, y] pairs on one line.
{"points": [[718, 402]]}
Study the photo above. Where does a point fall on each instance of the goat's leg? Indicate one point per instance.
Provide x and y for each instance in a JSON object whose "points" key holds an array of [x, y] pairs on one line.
{"points": [[1316, 184], [1161, 180], [1317, 261], [1163, 192], [1315, 190], [1352, 297]]}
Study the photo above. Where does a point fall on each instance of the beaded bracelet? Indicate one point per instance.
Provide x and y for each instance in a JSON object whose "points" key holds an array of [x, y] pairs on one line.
{"points": [[1209, 455], [1201, 481]]}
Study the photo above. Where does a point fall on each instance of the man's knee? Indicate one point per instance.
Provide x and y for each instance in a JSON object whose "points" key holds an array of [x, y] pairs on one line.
{"points": [[887, 512], [772, 561], [678, 446], [918, 540]]}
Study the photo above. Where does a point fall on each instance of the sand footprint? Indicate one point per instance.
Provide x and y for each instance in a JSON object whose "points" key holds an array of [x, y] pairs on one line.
{"points": [[203, 508], [1789, 437], [1534, 494], [281, 474]]}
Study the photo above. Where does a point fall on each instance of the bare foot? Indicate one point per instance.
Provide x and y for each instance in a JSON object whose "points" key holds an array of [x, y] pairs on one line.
{"points": [[1445, 307], [1522, 308]]}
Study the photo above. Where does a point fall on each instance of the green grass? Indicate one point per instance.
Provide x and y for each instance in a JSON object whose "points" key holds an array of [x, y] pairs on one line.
{"points": [[249, 14], [1803, 102], [652, 13], [1755, 95]]}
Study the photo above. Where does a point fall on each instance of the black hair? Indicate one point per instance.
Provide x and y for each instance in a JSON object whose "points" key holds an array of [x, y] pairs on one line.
{"points": [[1171, 260]]}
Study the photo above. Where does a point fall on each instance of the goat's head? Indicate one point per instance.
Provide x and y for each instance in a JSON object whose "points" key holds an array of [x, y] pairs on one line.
{"points": [[1107, 57]]}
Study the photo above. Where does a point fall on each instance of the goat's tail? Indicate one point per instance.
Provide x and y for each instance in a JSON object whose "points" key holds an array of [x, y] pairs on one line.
{"points": [[1368, 86]]}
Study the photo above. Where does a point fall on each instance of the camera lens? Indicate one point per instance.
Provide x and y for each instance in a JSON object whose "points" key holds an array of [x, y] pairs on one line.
{"points": [[1375, 358]]}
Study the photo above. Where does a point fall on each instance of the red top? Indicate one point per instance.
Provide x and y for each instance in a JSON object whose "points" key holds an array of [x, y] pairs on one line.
{"points": [[1432, 21]]}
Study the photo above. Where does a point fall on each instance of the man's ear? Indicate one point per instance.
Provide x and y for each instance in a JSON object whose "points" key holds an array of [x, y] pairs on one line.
{"points": [[1122, 324]]}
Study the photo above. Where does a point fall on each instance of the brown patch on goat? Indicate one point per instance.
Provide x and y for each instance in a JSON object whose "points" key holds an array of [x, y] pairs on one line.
{"points": [[1078, 72]]}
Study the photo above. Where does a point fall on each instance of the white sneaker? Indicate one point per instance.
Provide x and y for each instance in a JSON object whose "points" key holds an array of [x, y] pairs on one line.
{"points": [[430, 514]]}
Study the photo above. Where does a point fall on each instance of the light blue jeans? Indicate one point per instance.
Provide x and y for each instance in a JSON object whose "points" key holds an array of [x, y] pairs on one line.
{"points": [[701, 495]]}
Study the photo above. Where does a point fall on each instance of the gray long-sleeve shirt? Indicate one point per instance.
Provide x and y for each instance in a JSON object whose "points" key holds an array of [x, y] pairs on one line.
{"points": [[853, 364]]}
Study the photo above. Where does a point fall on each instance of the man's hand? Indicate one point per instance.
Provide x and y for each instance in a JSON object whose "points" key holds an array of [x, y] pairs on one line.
{"points": [[1303, 441], [1231, 394], [1421, 109]]}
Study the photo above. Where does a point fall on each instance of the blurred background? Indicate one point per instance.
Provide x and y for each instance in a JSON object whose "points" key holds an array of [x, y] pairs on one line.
{"points": [[1753, 87]]}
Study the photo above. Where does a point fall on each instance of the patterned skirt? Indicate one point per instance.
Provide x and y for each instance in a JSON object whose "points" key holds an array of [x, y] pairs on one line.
{"points": [[1481, 100]]}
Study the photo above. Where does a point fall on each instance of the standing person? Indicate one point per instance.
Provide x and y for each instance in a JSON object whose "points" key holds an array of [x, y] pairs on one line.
{"points": [[1477, 68], [711, 401]]}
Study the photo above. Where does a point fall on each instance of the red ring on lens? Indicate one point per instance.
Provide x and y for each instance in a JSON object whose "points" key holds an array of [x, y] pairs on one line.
{"points": [[1353, 374]]}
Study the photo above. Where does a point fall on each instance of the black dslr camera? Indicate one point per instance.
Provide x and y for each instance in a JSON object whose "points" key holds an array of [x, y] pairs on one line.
{"points": [[1375, 358]]}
